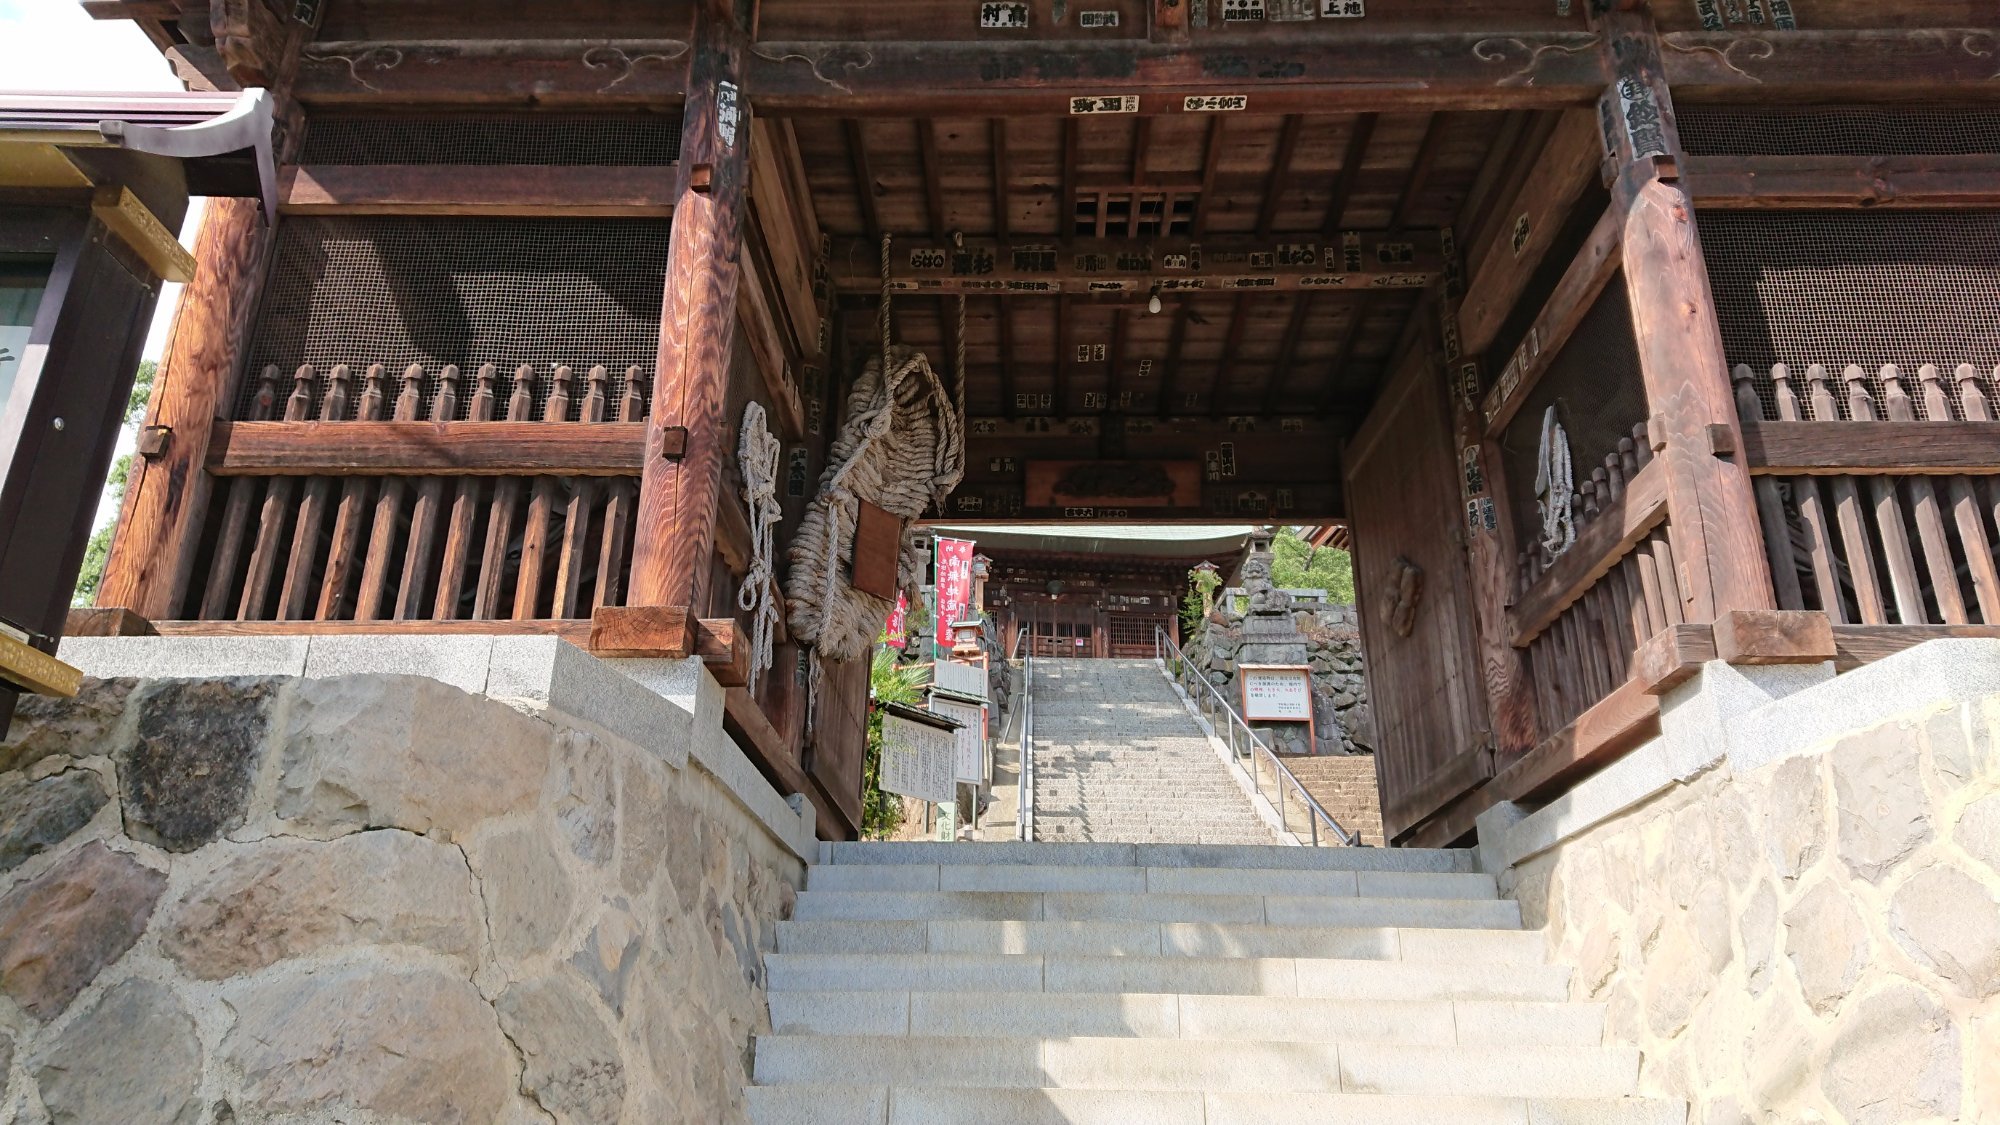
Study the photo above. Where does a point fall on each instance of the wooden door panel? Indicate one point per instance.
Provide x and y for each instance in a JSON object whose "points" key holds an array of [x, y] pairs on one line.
{"points": [[1425, 687]]}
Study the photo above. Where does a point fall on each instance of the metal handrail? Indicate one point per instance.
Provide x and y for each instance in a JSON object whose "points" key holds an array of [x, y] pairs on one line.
{"points": [[1180, 670], [1024, 787]]}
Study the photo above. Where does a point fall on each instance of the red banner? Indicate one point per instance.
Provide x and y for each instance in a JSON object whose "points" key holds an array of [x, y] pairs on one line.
{"points": [[899, 621], [954, 585]]}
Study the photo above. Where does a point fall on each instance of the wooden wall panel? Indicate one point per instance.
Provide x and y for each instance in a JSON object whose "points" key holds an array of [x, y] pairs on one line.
{"points": [[1403, 499]]}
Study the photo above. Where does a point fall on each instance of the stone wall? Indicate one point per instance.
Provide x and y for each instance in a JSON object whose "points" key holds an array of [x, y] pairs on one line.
{"points": [[372, 898], [1341, 712], [1802, 930]]}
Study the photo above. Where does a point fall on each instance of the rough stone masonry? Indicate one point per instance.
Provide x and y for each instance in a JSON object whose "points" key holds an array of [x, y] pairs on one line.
{"points": [[367, 899]]}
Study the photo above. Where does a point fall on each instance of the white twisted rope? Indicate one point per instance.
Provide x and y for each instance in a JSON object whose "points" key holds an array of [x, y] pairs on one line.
{"points": [[757, 455]]}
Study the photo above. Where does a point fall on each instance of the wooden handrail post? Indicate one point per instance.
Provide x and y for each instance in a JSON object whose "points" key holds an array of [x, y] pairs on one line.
{"points": [[687, 438], [1711, 507]]}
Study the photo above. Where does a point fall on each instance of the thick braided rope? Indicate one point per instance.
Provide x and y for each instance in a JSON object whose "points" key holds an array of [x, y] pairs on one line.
{"points": [[757, 455]]}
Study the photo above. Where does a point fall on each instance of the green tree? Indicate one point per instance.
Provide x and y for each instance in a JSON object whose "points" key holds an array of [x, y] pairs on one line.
{"points": [[1295, 565], [1201, 583], [99, 548], [888, 682]]}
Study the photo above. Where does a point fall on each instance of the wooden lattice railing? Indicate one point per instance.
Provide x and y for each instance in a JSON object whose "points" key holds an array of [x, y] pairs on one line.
{"points": [[1871, 513], [1582, 615], [362, 519]]}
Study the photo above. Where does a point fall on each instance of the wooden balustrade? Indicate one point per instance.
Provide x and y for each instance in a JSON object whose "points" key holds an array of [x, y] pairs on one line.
{"points": [[1870, 513], [410, 520], [1583, 615]]}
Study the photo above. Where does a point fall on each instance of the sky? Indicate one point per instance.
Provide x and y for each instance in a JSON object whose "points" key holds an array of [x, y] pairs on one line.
{"points": [[53, 45]]}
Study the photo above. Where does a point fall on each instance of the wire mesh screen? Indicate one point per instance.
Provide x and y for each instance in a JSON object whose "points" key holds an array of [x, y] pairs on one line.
{"points": [[1840, 130], [493, 139], [1598, 394], [1855, 287], [398, 290]]}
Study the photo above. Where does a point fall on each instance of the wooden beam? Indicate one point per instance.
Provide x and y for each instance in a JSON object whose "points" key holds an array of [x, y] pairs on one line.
{"points": [[1672, 656], [424, 448], [1856, 645], [1442, 785], [1349, 341], [1610, 537], [1804, 182], [1773, 636], [483, 72], [1717, 540], [652, 631], [1795, 449], [527, 190], [575, 632], [1517, 245], [1831, 65], [1211, 161], [1500, 69], [1611, 728], [1065, 358], [90, 621], [1595, 264], [1029, 267], [127, 216], [688, 436]]}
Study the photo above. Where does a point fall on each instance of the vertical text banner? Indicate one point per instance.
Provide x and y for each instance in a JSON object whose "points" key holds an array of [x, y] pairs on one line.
{"points": [[954, 586], [899, 621]]}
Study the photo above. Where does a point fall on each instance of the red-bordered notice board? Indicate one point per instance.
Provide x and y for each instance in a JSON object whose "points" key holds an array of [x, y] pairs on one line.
{"points": [[1278, 693]]}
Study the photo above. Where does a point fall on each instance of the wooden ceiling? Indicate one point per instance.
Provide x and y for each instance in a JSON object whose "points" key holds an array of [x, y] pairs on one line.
{"points": [[1240, 185]]}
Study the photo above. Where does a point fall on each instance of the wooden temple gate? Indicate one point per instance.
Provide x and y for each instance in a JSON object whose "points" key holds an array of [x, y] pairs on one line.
{"points": [[485, 372]]}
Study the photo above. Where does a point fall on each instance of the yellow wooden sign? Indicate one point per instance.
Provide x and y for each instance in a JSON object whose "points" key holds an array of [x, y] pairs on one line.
{"points": [[35, 670]]}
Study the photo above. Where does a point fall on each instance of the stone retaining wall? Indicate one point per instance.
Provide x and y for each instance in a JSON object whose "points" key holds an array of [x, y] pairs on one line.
{"points": [[371, 898], [1792, 933], [1340, 683]]}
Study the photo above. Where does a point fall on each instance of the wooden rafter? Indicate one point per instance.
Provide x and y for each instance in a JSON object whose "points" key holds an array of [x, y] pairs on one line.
{"points": [[1115, 358], [1351, 339], [1064, 357], [1142, 144], [1231, 350], [1066, 228], [1210, 160], [1350, 172], [864, 180], [1281, 173], [1170, 378], [997, 140], [933, 185], [1420, 172], [1288, 350], [1005, 319]]}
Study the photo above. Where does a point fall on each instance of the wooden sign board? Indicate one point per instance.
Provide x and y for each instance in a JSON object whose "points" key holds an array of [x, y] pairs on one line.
{"points": [[917, 756], [1277, 693], [960, 677], [878, 548], [1114, 484], [969, 752]]}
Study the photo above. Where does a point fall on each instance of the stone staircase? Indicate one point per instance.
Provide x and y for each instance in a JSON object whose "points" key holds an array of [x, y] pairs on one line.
{"points": [[1102, 984], [1119, 759]]}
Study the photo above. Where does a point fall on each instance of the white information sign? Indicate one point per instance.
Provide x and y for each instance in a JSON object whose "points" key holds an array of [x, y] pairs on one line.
{"points": [[969, 758], [1277, 693], [916, 759], [960, 678]]}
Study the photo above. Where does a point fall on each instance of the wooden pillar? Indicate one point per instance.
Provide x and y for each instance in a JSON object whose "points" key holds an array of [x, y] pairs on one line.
{"points": [[687, 437], [1711, 506], [152, 554], [1488, 533]]}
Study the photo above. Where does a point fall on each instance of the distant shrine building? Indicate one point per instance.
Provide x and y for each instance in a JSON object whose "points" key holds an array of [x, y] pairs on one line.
{"points": [[1618, 337]]}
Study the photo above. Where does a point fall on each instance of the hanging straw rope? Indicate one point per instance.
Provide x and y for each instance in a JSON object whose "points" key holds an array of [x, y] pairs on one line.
{"points": [[757, 454], [901, 447]]}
